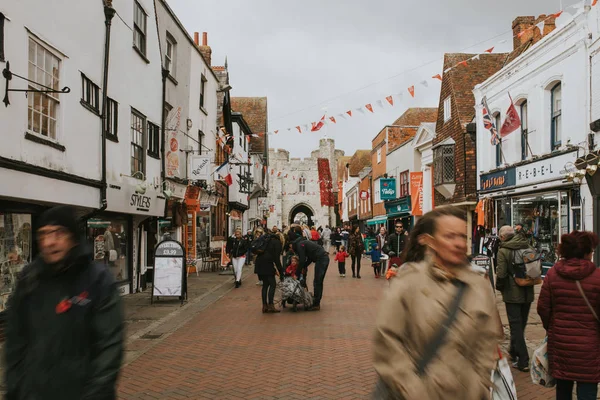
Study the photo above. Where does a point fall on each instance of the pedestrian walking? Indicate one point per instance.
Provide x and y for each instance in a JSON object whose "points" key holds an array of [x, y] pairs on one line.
{"points": [[569, 305], [381, 240], [356, 250], [336, 238], [375, 254], [267, 248], [396, 242], [345, 237], [340, 257], [424, 347], [64, 329], [249, 236], [326, 236], [309, 252], [236, 250], [517, 299]]}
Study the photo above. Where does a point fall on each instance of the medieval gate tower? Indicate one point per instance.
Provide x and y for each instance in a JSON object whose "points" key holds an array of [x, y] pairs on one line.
{"points": [[299, 193]]}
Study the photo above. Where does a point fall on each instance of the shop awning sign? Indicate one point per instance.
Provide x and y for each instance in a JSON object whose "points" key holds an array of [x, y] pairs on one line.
{"points": [[387, 188], [552, 168], [200, 167], [498, 180]]}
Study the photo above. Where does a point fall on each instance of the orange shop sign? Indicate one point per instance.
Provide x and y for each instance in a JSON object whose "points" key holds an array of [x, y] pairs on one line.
{"points": [[416, 193]]}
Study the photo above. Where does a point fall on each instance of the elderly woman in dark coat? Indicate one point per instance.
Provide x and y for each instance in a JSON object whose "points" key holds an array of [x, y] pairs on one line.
{"points": [[267, 266]]}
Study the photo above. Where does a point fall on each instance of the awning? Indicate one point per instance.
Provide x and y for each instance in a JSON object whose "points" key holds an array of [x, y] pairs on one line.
{"points": [[382, 219]]}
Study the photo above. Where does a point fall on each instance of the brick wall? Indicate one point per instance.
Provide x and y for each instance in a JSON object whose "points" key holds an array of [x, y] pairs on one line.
{"points": [[378, 168], [365, 212]]}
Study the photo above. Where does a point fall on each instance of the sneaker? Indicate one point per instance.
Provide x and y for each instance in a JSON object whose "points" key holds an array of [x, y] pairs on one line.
{"points": [[259, 283], [343, 275], [515, 365]]}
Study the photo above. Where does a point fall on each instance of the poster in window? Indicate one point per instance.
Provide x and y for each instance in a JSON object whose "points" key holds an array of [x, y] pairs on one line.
{"points": [[167, 276]]}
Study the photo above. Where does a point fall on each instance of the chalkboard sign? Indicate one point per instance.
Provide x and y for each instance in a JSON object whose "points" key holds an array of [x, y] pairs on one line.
{"points": [[170, 277], [484, 262]]}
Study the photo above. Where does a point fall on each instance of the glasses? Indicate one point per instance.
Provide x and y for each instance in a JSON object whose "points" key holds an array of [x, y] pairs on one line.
{"points": [[399, 227], [55, 234]]}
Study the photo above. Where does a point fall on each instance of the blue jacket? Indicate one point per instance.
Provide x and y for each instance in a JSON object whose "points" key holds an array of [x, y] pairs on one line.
{"points": [[375, 253]]}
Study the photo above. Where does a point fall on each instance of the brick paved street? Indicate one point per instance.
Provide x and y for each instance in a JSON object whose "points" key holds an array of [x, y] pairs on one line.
{"points": [[230, 350]]}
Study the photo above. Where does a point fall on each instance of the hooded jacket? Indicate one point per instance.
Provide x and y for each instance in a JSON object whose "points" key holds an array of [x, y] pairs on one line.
{"points": [[308, 252], [414, 308], [511, 292], [375, 253], [64, 331], [266, 262], [573, 332]]}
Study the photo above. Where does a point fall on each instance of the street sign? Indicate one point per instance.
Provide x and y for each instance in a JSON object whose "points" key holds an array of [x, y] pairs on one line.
{"points": [[170, 276]]}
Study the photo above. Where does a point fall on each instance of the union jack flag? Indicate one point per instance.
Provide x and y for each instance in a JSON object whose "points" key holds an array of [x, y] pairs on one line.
{"points": [[488, 123]]}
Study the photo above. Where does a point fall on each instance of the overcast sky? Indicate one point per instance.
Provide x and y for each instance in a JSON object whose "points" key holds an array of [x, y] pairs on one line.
{"points": [[315, 56]]}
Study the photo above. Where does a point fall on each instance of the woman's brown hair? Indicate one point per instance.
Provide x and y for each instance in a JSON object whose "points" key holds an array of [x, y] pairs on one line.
{"points": [[577, 244], [414, 251]]}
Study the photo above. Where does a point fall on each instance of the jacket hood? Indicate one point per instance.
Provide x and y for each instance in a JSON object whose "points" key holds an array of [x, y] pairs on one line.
{"points": [[515, 243], [574, 268], [81, 254]]}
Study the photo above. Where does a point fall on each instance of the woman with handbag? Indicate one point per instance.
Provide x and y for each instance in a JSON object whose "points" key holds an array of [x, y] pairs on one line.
{"points": [[437, 328], [569, 305]]}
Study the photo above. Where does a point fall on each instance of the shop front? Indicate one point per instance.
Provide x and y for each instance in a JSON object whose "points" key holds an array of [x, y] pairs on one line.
{"points": [[537, 197], [377, 222], [121, 236], [399, 210]]}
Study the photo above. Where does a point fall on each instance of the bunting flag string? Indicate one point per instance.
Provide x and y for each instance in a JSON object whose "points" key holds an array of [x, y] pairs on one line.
{"points": [[313, 127]]}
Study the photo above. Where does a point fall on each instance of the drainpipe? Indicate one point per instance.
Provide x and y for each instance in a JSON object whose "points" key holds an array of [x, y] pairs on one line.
{"points": [[109, 13], [163, 138]]}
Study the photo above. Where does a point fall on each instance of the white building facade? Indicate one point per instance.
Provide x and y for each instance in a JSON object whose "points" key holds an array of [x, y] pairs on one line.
{"points": [[522, 180], [422, 145]]}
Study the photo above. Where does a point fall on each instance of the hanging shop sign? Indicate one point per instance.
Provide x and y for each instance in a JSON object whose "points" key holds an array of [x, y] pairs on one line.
{"points": [[498, 180], [364, 194], [416, 193], [172, 124], [169, 278], [387, 188], [544, 170], [200, 167], [128, 199]]}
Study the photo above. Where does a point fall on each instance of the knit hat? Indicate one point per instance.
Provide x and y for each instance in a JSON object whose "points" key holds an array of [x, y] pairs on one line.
{"points": [[61, 216]]}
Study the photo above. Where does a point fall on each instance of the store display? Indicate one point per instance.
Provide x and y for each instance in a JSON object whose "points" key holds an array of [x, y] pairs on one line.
{"points": [[15, 251], [109, 236]]}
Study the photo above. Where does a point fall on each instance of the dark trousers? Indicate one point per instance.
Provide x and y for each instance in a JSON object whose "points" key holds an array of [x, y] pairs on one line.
{"points": [[320, 270], [342, 267], [518, 314], [268, 288], [585, 391], [356, 265], [248, 257], [377, 268]]}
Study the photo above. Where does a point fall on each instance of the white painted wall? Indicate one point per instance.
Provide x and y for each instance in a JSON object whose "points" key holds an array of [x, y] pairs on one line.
{"points": [[399, 160]]}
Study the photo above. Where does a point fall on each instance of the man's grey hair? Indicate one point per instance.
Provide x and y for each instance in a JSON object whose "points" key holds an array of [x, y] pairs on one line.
{"points": [[506, 232]]}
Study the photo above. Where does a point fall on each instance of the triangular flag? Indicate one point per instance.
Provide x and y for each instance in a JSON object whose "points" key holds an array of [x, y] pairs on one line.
{"points": [[594, 3], [248, 138], [276, 132], [360, 109], [448, 70], [411, 90], [520, 34], [289, 129], [380, 103], [490, 50], [438, 76], [349, 112], [318, 125], [424, 83], [541, 26], [464, 62], [390, 100], [558, 14], [476, 57], [305, 127], [279, 174], [369, 107], [229, 179], [332, 119], [286, 175], [299, 129], [272, 171]]}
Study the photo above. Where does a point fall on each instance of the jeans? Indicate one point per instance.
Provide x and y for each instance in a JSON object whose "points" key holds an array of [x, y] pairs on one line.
{"points": [[320, 270], [585, 391], [342, 267], [268, 289], [356, 265], [517, 320]]}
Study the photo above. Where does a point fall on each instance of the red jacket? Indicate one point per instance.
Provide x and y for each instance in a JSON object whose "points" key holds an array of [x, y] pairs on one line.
{"points": [[341, 256], [314, 235], [573, 332]]}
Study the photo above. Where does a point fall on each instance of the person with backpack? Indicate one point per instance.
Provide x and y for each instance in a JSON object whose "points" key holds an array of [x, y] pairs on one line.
{"points": [[267, 248], [569, 305], [65, 323], [517, 298], [309, 252]]}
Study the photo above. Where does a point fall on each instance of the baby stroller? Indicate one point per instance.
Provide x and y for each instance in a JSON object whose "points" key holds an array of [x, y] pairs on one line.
{"points": [[294, 293]]}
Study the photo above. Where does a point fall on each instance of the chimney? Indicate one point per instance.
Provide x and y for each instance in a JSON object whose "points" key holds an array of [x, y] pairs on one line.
{"points": [[205, 48], [549, 26], [197, 38], [521, 32]]}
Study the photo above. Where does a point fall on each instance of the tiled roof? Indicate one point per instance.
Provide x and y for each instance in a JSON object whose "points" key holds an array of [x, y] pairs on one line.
{"points": [[405, 127], [341, 167], [254, 110], [464, 78], [360, 159]]}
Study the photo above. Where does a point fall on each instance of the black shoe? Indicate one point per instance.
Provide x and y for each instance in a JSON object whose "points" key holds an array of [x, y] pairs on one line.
{"points": [[237, 284], [354, 276]]}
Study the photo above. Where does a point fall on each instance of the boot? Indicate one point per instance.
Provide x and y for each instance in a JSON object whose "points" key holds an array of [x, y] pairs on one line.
{"points": [[272, 309], [265, 309], [353, 274]]}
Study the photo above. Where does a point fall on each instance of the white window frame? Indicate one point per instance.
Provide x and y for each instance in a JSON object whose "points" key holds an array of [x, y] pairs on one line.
{"points": [[377, 191], [447, 108], [140, 29], [135, 136], [50, 80], [171, 56], [379, 155]]}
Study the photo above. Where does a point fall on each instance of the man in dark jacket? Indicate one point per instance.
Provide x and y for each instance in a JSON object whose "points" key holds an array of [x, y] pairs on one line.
{"points": [[396, 242], [309, 252], [64, 329], [517, 298]]}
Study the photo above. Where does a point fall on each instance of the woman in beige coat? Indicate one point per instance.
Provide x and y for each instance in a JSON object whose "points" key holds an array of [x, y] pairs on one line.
{"points": [[416, 306]]}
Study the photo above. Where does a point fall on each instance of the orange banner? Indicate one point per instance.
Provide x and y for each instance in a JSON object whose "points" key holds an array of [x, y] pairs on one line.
{"points": [[416, 192]]}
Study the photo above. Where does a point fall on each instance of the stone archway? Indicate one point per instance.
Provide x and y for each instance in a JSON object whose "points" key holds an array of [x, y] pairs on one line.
{"points": [[305, 212]]}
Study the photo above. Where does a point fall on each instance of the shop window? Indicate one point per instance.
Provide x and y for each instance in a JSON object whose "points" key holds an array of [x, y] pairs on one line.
{"points": [[138, 134], [443, 161], [524, 131], [202, 88], [112, 117], [153, 140], [404, 184], [139, 27], [498, 121], [90, 94], [556, 115], [15, 251], [44, 69], [110, 238]]}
